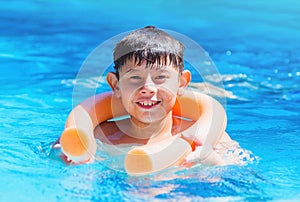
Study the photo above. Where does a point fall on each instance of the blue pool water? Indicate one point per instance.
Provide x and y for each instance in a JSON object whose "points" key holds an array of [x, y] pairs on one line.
{"points": [[255, 46]]}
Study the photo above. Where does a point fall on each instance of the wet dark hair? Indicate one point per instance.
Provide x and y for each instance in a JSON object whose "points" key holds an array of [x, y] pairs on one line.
{"points": [[149, 44]]}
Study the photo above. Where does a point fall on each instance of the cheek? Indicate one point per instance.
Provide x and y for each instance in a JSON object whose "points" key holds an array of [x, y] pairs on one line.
{"points": [[170, 92], [129, 89], [126, 99], [172, 101], [172, 86], [169, 97]]}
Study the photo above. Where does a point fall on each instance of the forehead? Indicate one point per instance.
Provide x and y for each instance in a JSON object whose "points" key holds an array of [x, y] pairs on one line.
{"points": [[132, 66]]}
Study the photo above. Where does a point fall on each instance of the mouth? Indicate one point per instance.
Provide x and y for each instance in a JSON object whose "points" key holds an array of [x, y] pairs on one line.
{"points": [[148, 103]]}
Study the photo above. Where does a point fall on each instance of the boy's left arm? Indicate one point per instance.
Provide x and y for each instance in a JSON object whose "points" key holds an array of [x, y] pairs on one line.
{"points": [[208, 155]]}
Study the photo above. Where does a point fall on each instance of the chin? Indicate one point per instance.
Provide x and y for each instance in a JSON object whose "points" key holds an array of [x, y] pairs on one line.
{"points": [[148, 120]]}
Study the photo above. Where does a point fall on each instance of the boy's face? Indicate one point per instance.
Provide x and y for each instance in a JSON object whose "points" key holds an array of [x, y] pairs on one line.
{"points": [[148, 94]]}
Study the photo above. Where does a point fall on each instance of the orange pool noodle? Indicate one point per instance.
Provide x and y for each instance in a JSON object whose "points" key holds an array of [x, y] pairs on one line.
{"points": [[79, 145]]}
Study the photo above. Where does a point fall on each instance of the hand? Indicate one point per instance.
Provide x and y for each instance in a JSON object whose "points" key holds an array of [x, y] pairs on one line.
{"points": [[205, 155]]}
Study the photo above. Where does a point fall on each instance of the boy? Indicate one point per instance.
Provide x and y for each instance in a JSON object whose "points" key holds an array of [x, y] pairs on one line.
{"points": [[148, 78]]}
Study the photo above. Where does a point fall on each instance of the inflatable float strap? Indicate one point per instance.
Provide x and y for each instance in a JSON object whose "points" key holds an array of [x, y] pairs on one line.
{"points": [[79, 145]]}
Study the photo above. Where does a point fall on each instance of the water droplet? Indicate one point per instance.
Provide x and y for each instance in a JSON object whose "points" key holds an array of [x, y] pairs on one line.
{"points": [[207, 63], [228, 52]]}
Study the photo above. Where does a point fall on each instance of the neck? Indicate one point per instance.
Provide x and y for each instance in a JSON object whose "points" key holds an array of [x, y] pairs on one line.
{"points": [[154, 131]]}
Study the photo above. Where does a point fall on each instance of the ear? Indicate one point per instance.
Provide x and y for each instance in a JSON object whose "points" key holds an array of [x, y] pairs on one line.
{"points": [[113, 82], [184, 81]]}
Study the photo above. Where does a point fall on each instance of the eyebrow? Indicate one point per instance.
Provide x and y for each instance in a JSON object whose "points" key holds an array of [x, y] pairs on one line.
{"points": [[129, 70], [162, 69], [135, 70]]}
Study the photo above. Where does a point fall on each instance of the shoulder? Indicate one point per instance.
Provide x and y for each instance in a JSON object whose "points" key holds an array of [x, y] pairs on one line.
{"points": [[113, 132], [180, 124], [104, 130]]}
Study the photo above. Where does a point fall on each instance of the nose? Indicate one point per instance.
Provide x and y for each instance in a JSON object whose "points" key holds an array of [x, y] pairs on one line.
{"points": [[149, 87]]}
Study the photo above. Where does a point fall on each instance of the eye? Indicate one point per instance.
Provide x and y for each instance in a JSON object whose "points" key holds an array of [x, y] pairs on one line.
{"points": [[161, 77], [135, 77]]}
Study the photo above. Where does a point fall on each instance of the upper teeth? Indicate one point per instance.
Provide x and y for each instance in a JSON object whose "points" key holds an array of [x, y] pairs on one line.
{"points": [[147, 103]]}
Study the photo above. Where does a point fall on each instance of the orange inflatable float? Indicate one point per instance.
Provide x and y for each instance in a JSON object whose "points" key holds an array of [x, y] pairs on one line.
{"points": [[207, 116]]}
